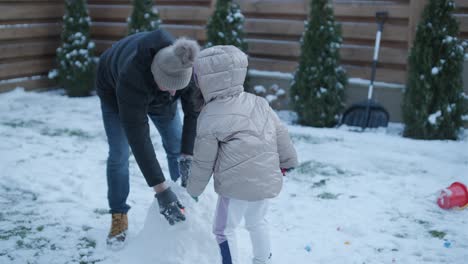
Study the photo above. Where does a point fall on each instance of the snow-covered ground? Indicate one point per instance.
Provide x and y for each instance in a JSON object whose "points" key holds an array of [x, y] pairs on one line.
{"points": [[356, 198]]}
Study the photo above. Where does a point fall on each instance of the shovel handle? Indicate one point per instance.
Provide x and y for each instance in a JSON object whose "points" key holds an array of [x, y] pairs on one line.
{"points": [[381, 17]]}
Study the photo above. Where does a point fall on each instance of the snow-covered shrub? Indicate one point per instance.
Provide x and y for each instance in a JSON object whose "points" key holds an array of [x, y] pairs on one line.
{"points": [[75, 57], [272, 94], [433, 101], [317, 92], [144, 17], [226, 27]]}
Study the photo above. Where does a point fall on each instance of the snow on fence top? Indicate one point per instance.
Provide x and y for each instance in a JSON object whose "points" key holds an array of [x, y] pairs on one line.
{"points": [[289, 76]]}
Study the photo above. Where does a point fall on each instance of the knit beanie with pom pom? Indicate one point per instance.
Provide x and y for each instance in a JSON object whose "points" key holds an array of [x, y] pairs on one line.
{"points": [[172, 65]]}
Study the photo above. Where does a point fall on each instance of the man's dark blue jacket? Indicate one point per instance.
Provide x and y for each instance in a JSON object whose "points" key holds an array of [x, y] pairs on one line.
{"points": [[125, 82]]}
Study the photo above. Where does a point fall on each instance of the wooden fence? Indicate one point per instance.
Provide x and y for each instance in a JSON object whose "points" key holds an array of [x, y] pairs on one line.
{"points": [[275, 28], [461, 13], [29, 33], [181, 18]]}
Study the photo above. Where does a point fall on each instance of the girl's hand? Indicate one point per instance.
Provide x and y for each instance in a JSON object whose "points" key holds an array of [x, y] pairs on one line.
{"points": [[285, 170]]}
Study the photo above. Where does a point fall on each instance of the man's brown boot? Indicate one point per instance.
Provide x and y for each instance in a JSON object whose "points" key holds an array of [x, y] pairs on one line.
{"points": [[118, 231]]}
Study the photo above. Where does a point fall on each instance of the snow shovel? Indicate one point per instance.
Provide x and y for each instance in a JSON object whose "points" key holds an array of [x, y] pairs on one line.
{"points": [[369, 114]]}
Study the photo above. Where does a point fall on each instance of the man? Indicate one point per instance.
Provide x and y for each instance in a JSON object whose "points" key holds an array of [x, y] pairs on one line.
{"points": [[139, 76]]}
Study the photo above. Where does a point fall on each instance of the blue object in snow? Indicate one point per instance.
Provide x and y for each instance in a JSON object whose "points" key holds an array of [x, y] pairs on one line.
{"points": [[308, 248], [447, 244]]}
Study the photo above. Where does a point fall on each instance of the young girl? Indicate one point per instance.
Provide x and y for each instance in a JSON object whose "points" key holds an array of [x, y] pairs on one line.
{"points": [[241, 141]]}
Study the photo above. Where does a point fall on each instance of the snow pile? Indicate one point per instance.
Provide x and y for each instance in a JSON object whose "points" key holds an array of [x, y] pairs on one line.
{"points": [[191, 239]]}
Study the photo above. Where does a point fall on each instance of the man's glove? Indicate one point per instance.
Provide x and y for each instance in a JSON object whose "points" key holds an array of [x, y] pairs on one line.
{"points": [[185, 164], [170, 207]]}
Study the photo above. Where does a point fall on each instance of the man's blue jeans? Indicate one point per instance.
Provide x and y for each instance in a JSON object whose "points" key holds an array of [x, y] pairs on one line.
{"points": [[170, 129]]}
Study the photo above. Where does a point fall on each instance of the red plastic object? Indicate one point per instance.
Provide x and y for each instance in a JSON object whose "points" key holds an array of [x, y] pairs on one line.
{"points": [[454, 196]]}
